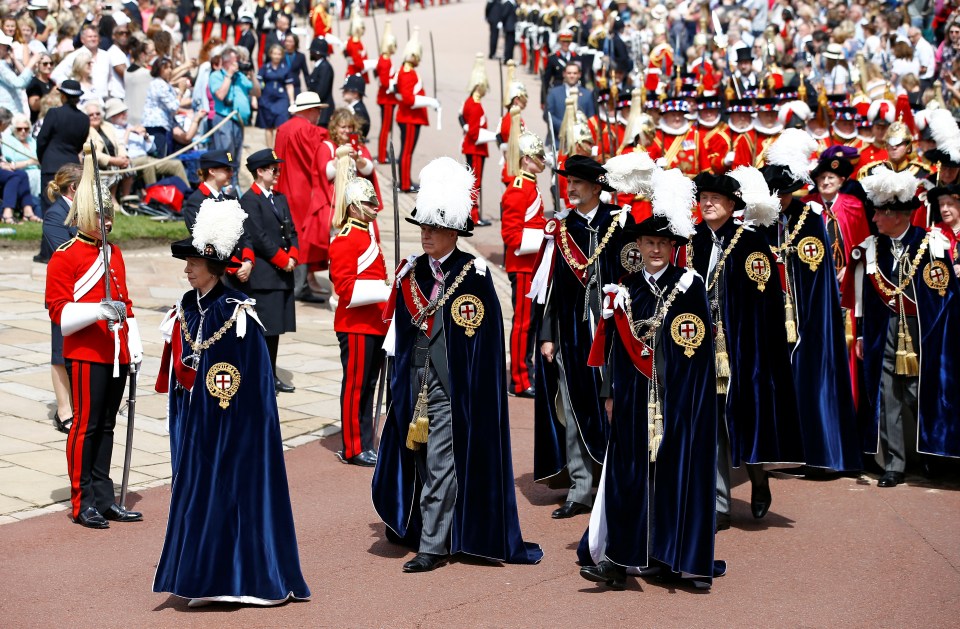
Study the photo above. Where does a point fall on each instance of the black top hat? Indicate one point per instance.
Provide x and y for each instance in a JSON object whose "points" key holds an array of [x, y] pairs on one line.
{"points": [[657, 226], [184, 249], [319, 46], [585, 168], [262, 159], [780, 180], [744, 54], [721, 184], [217, 159], [936, 156], [354, 83], [71, 88], [933, 198]]}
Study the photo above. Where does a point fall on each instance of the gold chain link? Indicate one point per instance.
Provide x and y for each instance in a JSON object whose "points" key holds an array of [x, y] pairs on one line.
{"points": [[723, 258], [424, 311], [565, 246], [783, 249], [199, 347], [913, 271]]}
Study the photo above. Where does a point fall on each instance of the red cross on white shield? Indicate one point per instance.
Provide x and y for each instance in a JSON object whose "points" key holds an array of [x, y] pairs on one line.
{"points": [[223, 381]]}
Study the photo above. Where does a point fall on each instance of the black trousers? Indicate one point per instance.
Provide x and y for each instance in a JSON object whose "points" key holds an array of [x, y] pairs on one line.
{"points": [[494, 39], [509, 41], [96, 399], [361, 356]]}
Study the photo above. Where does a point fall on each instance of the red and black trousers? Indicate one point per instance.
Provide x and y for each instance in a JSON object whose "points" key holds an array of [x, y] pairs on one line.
{"points": [[409, 134], [523, 339], [475, 162], [361, 356], [386, 125], [96, 399]]}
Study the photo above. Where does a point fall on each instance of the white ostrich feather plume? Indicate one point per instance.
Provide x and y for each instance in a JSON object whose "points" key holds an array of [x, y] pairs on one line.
{"points": [[793, 150], [219, 224], [945, 132], [673, 197], [762, 206], [631, 173], [885, 186], [446, 193]]}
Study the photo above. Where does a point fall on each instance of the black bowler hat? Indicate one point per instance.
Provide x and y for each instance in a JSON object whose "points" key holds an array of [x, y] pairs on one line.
{"points": [[218, 159], [354, 83], [319, 46], [721, 184], [262, 159], [933, 198], [585, 168], [744, 54], [71, 88], [780, 180], [657, 226]]}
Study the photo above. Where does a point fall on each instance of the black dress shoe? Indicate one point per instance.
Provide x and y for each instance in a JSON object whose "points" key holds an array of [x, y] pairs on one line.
{"points": [[424, 562], [119, 514], [92, 519], [309, 297], [483, 223], [412, 189], [606, 572], [283, 387], [890, 479], [527, 393], [723, 521], [367, 458], [61, 425], [760, 499], [569, 509]]}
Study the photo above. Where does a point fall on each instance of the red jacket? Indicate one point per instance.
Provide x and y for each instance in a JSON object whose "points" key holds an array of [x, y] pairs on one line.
{"points": [[690, 157], [355, 55], [504, 132], [301, 179], [69, 281], [408, 88], [385, 74], [355, 255], [718, 143], [474, 119], [601, 132], [744, 148], [521, 208]]}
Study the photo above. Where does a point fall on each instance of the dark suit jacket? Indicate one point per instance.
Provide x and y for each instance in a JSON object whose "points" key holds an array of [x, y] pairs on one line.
{"points": [[492, 12], [556, 101], [249, 41], [508, 15], [273, 38], [321, 82], [61, 139], [298, 68], [270, 230], [361, 112], [55, 233], [553, 72]]}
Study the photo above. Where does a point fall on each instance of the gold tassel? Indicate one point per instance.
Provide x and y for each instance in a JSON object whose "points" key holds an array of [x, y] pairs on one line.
{"points": [[910, 362], [791, 323], [419, 427], [848, 328], [901, 367], [723, 361]]}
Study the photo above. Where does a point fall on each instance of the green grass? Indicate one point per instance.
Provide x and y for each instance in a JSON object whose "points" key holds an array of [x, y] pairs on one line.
{"points": [[125, 229]]}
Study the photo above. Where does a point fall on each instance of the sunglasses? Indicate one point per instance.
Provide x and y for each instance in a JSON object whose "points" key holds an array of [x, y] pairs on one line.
{"points": [[21, 128]]}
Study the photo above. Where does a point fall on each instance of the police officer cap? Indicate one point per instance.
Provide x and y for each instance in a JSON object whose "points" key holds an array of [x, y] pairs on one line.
{"points": [[354, 83], [319, 46], [218, 159], [262, 159]]}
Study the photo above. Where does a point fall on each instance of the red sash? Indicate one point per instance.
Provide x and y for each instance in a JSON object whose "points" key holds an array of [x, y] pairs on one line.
{"points": [[640, 353], [909, 306], [408, 300], [185, 375], [575, 253]]}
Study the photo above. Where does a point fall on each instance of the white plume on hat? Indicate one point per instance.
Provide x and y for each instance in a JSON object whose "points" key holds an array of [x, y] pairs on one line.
{"points": [[762, 206], [797, 108], [793, 150], [884, 186], [673, 197], [945, 132], [446, 194], [631, 173], [219, 224]]}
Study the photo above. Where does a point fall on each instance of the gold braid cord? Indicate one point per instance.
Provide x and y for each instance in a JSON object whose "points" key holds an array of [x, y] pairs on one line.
{"points": [[199, 347], [907, 363], [784, 249], [898, 291], [783, 252], [723, 258], [720, 339], [653, 323], [424, 311], [565, 246]]}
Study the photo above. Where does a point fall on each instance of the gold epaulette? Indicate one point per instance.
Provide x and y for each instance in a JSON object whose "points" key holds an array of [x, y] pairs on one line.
{"points": [[350, 224], [67, 244], [918, 168], [518, 180], [865, 170]]}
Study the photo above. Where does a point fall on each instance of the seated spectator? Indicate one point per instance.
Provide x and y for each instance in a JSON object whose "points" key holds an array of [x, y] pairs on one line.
{"points": [[15, 186], [111, 154], [162, 104], [138, 143], [20, 151]]}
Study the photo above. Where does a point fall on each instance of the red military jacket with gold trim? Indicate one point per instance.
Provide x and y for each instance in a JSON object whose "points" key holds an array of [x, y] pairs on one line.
{"points": [[521, 209], [356, 255], [690, 157]]}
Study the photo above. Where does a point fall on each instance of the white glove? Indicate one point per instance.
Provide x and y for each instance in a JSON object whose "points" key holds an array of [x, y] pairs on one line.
{"points": [[486, 136], [112, 311], [721, 41], [369, 64], [728, 158], [419, 102], [550, 160], [134, 342], [76, 316]]}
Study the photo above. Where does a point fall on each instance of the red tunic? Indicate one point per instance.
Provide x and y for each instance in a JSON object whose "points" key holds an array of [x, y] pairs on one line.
{"points": [[385, 74], [690, 157], [744, 148], [719, 144], [504, 133], [355, 255], [521, 208], [870, 156], [356, 55], [301, 182], [601, 132], [764, 141], [69, 281], [474, 119], [407, 89]]}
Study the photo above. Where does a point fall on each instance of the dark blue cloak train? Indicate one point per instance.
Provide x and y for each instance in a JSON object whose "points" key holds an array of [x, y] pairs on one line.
{"points": [[485, 520], [230, 530]]}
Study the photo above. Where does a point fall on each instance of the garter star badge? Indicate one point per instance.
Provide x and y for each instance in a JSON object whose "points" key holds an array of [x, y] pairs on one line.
{"points": [[688, 331], [223, 381], [467, 312], [758, 269], [810, 251], [630, 258], [937, 276]]}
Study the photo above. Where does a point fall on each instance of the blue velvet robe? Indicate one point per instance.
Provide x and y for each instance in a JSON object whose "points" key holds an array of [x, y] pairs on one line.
{"points": [[230, 530], [485, 520], [821, 372], [677, 493], [760, 407], [561, 321], [938, 419]]}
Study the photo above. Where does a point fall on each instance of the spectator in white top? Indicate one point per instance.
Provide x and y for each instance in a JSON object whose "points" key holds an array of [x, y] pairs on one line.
{"points": [[118, 60], [14, 77], [925, 55], [904, 61], [28, 32], [100, 70]]}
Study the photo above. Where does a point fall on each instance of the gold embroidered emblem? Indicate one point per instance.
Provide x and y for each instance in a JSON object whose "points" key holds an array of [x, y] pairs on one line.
{"points": [[467, 312], [758, 269], [688, 331], [630, 258], [810, 251], [223, 381], [937, 276], [229, 157], [550, 227]]}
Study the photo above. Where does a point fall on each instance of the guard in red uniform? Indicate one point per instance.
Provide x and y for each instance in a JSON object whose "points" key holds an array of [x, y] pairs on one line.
{"points": [[100, 339], [608, 125], [516, 98], [476, 135], [522, 223], [768, 128], [386, 75], [354, 51], [359, 275], [411, 112], [743, 137], [715, 133], [678, 142]]}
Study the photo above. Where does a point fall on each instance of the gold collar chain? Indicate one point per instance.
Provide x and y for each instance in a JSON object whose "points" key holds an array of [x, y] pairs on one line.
{"points": [[199, 347], [428, 310], [784, 249], [565, 246], [723, 258], [653, 323], [914, 265]]}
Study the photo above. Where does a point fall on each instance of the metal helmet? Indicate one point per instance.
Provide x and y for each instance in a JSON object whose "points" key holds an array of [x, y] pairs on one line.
{"points": [[897, 134], [359, 190], [531, 145]]}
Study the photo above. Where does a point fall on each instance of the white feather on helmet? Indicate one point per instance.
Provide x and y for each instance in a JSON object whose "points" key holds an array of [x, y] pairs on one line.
{"points": [[631, 173], [446, 194], [884, 186], [762, 207], [945, 132], [793, 150]]}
